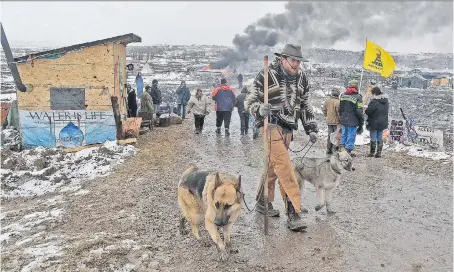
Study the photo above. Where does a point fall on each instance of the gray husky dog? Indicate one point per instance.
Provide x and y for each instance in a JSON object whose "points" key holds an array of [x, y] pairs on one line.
{"points": [[325, 174]]}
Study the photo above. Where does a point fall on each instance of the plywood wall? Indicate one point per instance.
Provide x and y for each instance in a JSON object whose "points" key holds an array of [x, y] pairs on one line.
{"points": [[90, 68], [119, 59]]}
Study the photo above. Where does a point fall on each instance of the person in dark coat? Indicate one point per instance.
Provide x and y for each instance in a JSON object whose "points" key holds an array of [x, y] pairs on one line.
{"points": [[244, 115], [350, 116], [155, 93], [183, 96], [132, 101], [377, 120], [240, 81]]}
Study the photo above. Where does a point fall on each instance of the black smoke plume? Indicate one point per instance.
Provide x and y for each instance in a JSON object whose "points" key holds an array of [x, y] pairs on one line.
{"points": [[323, 24]]}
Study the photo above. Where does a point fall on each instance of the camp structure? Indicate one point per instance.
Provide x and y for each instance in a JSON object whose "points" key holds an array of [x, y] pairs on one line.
{"points": [[69, 102]]}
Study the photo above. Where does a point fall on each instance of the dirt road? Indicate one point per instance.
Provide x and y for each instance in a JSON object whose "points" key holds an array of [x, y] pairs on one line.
{"points": [[393, 214]]}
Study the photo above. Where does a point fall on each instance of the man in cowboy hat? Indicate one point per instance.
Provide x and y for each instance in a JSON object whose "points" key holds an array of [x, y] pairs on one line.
{"points": [[288, 102]]}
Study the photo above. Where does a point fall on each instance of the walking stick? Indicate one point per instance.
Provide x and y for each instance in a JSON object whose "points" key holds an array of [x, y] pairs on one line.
{"points": [[265, 130]]}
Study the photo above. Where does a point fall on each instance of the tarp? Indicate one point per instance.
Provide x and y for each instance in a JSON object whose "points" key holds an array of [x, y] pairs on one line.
{"points": [[146, 70]]}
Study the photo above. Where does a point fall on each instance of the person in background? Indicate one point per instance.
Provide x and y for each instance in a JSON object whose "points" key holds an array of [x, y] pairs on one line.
{"points": [[372, 84], [377, 120], [351, 116], [240, 81], [331, 112], [139, 84], [155, 93], [132, 102], [183, 96], [147, 109], [224, 97], [244, 115], [198, 104]]}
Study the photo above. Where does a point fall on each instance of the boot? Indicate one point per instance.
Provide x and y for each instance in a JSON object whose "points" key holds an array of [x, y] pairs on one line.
{"points": [[245, 131], [294, 221], [373, 145], [242, 132], [379, 149], [218, 130], [227, 133], [260, 207]]}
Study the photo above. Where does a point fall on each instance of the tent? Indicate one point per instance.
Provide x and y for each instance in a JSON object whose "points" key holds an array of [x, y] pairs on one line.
{"points": [[146, 70]]}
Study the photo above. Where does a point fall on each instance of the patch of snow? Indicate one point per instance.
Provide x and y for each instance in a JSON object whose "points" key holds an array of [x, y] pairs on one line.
{"points": [[362, 139], [8, 97], [417, 151], [58, 170], [42, 254], [319, 93], [317, 110]]}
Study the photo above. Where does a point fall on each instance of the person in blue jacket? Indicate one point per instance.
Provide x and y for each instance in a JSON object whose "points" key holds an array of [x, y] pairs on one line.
{"points": [[183, 96]]}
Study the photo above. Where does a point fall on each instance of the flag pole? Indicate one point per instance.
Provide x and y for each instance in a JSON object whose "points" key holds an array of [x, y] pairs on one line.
{"points": [[362, 69]]}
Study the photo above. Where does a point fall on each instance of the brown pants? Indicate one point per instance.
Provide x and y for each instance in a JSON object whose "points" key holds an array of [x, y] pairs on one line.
{"points": [[281, 167]]}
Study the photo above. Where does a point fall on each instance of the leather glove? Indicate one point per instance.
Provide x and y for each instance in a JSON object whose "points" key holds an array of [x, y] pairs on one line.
{"points": [[313, 137], [265, 110], [359, 131]]}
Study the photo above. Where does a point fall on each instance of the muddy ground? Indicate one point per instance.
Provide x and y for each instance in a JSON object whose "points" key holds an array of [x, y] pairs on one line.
{"points": [[393, 214]]}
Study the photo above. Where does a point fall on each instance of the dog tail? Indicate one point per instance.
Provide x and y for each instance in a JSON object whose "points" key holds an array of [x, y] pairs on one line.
{"points": [[187, 173]]}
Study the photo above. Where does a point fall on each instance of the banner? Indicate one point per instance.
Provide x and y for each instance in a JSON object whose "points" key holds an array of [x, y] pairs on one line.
{"points": [[67, 128]]}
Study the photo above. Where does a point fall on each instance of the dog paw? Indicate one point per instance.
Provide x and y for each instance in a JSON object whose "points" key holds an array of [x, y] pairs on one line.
{"points": [[184, 232], [330, 212], [304, 210], [233, 251], [318, 207]]}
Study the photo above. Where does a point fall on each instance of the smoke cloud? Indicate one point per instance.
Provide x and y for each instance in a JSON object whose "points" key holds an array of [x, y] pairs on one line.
{"points": [[323, 24]]}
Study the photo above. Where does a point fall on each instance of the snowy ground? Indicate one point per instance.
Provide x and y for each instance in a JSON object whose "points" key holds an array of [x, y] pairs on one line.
{"points": [[128, 220], [43, 170]]}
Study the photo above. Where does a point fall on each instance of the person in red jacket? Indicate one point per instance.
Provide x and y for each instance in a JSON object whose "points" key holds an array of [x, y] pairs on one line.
{"points": [[224, 98]]}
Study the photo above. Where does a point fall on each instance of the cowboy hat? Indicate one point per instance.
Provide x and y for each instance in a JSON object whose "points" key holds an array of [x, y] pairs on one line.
{"points": [[291, 50]]}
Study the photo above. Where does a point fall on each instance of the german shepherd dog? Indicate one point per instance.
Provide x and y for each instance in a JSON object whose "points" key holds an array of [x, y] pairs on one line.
{"points": [[213, 197], [325, 174]]}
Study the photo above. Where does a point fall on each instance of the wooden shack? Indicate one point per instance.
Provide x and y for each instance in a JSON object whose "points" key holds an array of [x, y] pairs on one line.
{"points": [[69, 102]]}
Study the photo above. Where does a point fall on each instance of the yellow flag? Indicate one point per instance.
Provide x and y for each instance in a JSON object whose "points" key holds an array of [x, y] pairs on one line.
{"points": [[376, 59]]}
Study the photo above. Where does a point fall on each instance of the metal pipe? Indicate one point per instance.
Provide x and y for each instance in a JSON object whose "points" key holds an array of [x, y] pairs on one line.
{"points": [[10, 60]]}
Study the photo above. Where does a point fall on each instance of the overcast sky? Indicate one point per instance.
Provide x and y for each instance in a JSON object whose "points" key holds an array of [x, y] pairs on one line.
{"points": [[64, 23]]}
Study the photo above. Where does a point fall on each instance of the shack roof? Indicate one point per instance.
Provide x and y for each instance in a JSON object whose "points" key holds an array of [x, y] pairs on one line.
{"points": [[125, 39]]}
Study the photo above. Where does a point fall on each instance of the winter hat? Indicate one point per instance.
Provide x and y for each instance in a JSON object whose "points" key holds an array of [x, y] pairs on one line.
{"points": [[244, 89], [353, 83], [154, 81], [373, 82], [376, 91], [147, 87], [223, 81], [335, 92]]}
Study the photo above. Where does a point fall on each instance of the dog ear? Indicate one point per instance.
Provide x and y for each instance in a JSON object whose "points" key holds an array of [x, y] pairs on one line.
{"points": [[217, 180], [238, 186]]}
